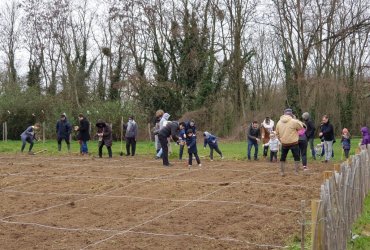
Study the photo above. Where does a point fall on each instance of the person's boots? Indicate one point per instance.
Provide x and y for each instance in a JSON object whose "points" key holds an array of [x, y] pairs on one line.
{"points": [[296, 166], [282, 168], [59, 147]]}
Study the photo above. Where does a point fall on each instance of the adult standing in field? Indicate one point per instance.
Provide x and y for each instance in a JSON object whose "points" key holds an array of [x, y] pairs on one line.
{"points": [[253, 135], [104, 134], [162, 123], [267, 126], [170, 129], [287, 132], [29, 135], [158, 116], [83, 135], [327, 133], [63, 130], [310, 132], [131, 135]]}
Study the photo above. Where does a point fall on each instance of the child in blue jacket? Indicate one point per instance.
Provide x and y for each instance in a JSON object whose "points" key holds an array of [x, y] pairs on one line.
{"points": [[211, 140], [191, 143]]}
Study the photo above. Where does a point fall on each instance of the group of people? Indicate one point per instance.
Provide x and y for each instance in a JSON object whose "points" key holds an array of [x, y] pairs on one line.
{"points": [[295, 135], [103, 134], [184, 134]]}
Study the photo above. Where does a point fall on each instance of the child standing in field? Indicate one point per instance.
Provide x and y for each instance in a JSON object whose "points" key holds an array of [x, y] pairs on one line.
{"points": [[274, 145], [29, 136], [346, 142], [191, 143], [365, 138], [211, 140]]}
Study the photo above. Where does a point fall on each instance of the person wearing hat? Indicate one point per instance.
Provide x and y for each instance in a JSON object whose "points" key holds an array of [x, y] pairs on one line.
{"points": [[131, 135], [104, 134], [310, 132], [63, 130], [267, 126], [287, 132], [191, 143]]}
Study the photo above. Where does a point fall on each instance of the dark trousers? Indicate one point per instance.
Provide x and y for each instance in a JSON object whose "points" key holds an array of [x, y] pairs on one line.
{"points": [[285, 150], [30, 141], [265, 150], [303, 151], [101, 144], [60, 143], [181, 152], [130, 142], [346, 153], [250, 144], [191, 158], [312, 147], [273, 155], [163, 141], [215, 148]]}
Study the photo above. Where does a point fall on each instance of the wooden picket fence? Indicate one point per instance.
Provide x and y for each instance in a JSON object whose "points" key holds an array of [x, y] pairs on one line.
{"points": [[341, 202]]}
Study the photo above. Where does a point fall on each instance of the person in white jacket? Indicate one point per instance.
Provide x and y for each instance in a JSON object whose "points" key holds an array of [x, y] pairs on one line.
{"points": [[274, 145]]}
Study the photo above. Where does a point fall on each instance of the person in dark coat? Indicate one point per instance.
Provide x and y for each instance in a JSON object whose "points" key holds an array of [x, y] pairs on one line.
{"points": [[104, 134], [63, 130], [170, 129], [327, 133], [83, 135], [211, 140], [131, 134], [310, 132], [191, 143], [29, 136], [191, 125], [253, 135]]}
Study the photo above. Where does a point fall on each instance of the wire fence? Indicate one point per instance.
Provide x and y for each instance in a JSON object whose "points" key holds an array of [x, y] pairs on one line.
{"points": [[341, 202]]}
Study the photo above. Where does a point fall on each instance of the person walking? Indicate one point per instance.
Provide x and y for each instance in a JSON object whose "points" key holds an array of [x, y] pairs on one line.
{"points": [[170, 129], [131, 135], [327, 133], [63, 130], [104, 134], [287, 132], [253, 136], [310, 132], [83, 135]]}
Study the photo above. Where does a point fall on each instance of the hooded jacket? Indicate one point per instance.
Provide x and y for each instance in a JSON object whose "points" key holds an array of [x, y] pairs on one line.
{"points": [[28, 134], [83, 130], [171, 129], [63, 129], [191, 143], [209, 139], [287, 130], [266, 129], [365, 136], [107, 132], [131, 129]]}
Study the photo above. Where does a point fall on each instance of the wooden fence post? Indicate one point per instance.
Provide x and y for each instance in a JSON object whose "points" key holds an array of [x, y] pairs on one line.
{"points": [[337, 168], [327, 174], [43, 132], [316, 232], [303, 223]]}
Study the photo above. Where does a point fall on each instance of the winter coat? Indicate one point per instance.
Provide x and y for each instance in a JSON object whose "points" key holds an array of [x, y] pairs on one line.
{"points": [[266, 129], [302, 134], [193, 128], [328, 131], [253, 133], [310, 129], [107, 133], [63, 129], [171, 129], [274, 144], [182, 135], [210, 139], [28, 134], [346, 142], [164, 120], [131, 129], [83, 130], [365, 136], [287, 130], [191, 143]]}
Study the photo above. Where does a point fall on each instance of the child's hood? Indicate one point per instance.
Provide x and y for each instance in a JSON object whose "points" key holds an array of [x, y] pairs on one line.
{"points": [[364, 131], [206, 134], [166, 116]]}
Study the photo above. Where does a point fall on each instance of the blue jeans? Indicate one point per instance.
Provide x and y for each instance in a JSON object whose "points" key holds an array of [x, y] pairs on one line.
{"points": [[250, 144], [83, 147]]}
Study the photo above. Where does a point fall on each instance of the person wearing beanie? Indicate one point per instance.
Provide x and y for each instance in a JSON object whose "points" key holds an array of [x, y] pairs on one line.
{"points": [[346, 142], [310, 132], [211, 140], [104, 134], [267, 127], [327, 133], [131, 135], [191, 143], [63, 130], [287, 132]]}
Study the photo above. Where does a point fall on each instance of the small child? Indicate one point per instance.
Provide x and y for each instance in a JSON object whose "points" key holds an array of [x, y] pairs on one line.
{"points": [[29, 136], [365, 138], [346, 142], [191, 142], [274, 145], [211, 140]]}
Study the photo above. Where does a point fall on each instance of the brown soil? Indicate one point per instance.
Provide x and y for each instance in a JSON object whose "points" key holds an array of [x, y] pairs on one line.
{"points": [[135, 203]]}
